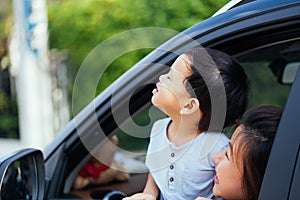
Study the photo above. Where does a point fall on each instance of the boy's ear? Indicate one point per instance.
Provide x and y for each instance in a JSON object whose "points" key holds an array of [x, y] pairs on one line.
{"points": [[190, 106]]}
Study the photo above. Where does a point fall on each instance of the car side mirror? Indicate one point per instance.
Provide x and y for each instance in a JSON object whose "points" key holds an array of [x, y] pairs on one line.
{"points": [[284, 71], [289, 72], [22, 175]]}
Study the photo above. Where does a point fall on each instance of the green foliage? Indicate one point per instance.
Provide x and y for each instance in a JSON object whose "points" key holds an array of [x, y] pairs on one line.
{"points": [[9, 118], [5, 26], [79, 26], [264, 88], [9, 127]]}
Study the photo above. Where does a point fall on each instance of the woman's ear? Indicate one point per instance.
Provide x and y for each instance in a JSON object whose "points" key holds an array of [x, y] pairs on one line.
{"points": [[191, 106]]}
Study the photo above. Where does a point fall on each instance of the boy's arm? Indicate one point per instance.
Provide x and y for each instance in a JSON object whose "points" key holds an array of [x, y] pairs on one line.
{"points": [[151, 187], [150, 192]]}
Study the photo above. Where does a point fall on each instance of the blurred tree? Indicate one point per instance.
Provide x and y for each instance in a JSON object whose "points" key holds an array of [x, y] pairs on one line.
{"points": [[5, 25], [273, 93], [9, 127], [79, 26]]}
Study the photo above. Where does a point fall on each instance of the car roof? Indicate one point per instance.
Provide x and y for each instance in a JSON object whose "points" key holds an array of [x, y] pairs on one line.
{"points": [[237, 3], [229, 5]]}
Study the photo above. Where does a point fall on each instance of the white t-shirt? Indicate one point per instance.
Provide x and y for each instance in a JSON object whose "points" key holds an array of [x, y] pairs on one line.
{"points": [[187, 171]]}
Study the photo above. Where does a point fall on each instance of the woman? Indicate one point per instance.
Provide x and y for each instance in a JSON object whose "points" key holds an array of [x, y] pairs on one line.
{"points": [[240, 168]]}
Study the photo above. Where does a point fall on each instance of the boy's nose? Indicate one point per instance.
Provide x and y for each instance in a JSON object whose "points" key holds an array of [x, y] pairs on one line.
{"points": [[161, 77]]}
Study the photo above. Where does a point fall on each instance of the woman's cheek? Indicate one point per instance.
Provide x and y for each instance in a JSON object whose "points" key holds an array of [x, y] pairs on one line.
{"points": [[229, 181]]}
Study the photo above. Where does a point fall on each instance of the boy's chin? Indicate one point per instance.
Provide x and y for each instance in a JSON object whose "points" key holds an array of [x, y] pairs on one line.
{"points": [[153, 100], [154, 103]]}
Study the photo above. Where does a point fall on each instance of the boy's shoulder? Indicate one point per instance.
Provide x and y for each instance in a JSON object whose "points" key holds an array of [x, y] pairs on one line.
{"points": [[222, 140], [216, 137], [160, 125], [213, 142], [162, 121]]}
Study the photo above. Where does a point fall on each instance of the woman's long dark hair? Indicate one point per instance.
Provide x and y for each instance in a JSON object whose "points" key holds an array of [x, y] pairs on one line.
{"points": [[255, 143]]}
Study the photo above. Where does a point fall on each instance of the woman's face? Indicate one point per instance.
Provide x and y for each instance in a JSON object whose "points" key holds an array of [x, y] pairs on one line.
{"points": [[228, 180]]}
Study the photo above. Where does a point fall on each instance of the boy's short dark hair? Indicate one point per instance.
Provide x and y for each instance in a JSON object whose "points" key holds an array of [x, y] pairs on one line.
{"points": [[234, 80]]}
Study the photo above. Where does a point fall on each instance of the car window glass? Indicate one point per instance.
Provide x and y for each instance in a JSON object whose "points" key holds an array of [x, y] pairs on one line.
{"points": [[120, 158], [264, 65], [133, 141], [264, 88]]}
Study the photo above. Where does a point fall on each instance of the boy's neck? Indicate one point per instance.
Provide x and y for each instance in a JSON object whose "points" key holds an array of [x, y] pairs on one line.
{"points": [[182, 130]]}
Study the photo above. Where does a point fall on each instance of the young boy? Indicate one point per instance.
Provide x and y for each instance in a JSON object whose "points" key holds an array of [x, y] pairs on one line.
{"points": [[204, 91]]}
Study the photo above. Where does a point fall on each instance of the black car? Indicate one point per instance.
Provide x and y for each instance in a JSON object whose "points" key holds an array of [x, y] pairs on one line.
{"points": [[263, 35]]}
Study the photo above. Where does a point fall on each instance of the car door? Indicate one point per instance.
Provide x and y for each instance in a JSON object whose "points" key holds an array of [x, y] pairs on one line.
{"points": [[282, 177]]}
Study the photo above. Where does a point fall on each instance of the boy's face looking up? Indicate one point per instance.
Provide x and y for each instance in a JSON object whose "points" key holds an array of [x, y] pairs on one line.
{"points": [[170, 94]]}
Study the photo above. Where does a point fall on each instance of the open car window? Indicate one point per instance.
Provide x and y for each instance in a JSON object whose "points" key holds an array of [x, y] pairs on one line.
{"points": [[264, 68]]}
